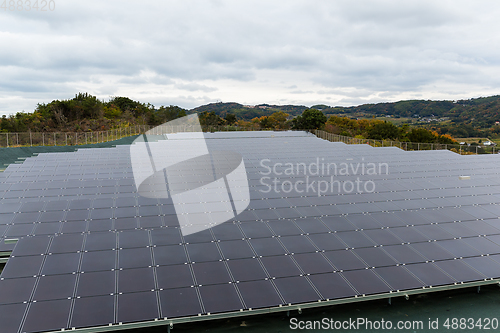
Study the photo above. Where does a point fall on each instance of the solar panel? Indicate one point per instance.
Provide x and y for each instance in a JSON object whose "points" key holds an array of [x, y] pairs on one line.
{"points": [[93, 252]]}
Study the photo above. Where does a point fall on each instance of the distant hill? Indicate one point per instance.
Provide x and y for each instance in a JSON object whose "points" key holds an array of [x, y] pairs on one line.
{"points": [[483, 111], [248, 112], [462, 118]]}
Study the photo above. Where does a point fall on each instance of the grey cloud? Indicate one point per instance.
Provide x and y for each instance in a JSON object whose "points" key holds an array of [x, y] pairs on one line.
{"points": [[355, 50], [195, 87]]}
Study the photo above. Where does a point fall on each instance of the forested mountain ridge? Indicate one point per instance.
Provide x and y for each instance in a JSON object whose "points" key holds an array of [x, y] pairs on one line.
{"points": [[475, 117]]}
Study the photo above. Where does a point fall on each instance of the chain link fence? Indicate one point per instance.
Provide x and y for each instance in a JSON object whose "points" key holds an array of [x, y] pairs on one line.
{"points": [[460, 149], [24, 139], [31, 139]]}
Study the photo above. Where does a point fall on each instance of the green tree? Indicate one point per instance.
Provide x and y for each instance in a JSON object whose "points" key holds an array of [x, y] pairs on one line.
{"points": [[112, 112], [230, 119], [309, 119], [278, 120], [383, 130], [166, 114], [421, 135], [210, 119]]}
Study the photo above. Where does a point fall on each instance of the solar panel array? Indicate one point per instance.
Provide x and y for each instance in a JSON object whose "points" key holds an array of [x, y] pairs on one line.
{"points": [[92, 252]]}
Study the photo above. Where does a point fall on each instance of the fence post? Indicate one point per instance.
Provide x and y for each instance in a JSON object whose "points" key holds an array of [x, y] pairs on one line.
{"points": [[476, 150]]}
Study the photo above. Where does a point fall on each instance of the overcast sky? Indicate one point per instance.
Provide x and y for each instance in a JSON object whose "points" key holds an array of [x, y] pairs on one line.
{"points": [[190, 53]]}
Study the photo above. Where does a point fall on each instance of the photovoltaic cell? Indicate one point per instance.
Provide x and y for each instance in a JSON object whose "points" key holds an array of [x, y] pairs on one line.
{"points": [[16, 290], [202, 252], [174, 276], [211, 273], [297, 244], [135, 257], [458, 248], [66, 243], [269, 296], [404, 254], [459, 270], [236, 249], [409, 234], [365, 281], [179, 302], [355, 239], [432, 251], [96, 283], [135, 280], [93, 311], [267, 246], [246, 270], [22, 267], [64, 263], [55, 287], [484, 265], [47, 316], [313, 263], [256, 229], [375, 257], [166, 236], [296, 289], [214, 303], [169, 255], [398, 277], [135, 307], [11, 315], [344, 260], [429, 274], [280, 266], [327, 242], [98, 261]]}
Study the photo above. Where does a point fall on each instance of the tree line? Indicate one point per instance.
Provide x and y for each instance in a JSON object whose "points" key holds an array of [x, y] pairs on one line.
{"points": [[85, 112]]}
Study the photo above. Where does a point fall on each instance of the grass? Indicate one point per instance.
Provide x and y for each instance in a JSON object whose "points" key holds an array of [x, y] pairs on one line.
{"points": [[471, 140], [395, 121]]}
